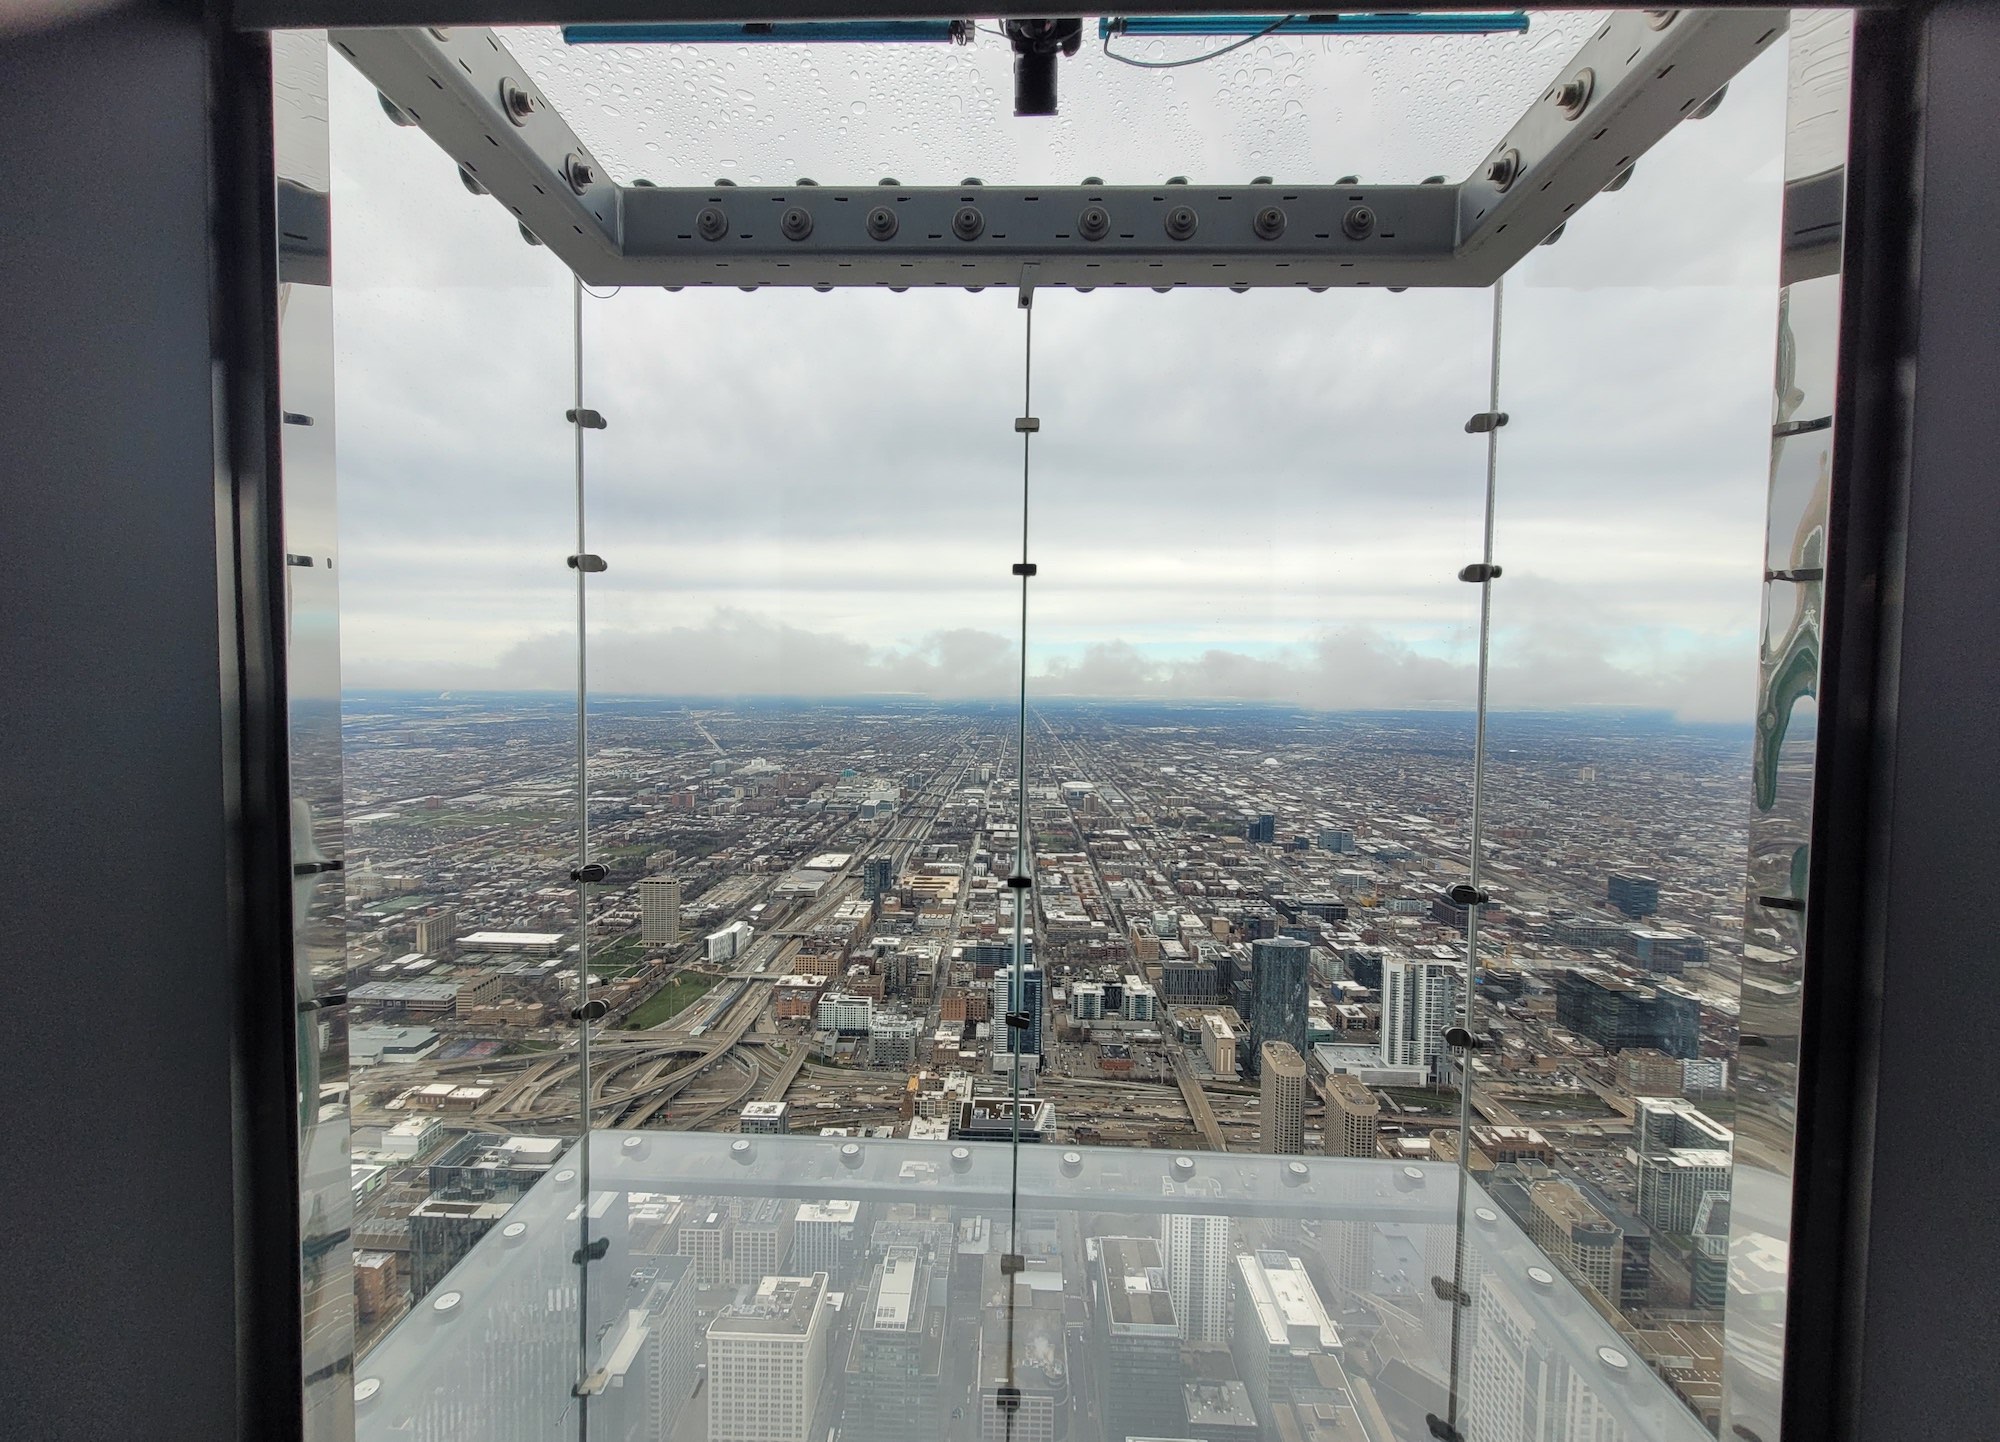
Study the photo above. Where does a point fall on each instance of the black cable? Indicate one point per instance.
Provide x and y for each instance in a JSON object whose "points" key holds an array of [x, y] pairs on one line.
{"points": [[1109, 54]]}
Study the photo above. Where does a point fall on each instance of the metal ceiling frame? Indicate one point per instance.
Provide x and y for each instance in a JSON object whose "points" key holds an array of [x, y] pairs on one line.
{"points": [[1635, 79]]}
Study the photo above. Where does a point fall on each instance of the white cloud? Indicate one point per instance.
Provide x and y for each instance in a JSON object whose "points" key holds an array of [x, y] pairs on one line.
{"points": [[1266, 495]]}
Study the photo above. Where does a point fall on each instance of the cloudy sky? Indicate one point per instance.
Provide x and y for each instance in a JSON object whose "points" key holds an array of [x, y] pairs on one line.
{"points": [[1260, 496]]}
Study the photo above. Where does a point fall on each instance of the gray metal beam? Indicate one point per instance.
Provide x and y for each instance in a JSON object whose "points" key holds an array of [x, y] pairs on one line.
{"points": [[1632, 82], [1644, 75]]}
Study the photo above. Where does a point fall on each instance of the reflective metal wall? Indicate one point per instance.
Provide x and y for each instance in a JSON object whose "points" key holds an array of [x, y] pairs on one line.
{"points": [[1802, 437], [312, 607]]}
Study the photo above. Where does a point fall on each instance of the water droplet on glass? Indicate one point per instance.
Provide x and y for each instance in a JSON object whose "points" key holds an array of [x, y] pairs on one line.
{"points": [[861, 108]]}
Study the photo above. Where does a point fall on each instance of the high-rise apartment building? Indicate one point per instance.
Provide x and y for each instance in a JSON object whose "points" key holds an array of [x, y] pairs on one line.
{"points": [[1419, 1001], [767, 1361], [1281, 1090], [1579, 1238], [878, 877], [1672, 1185], [1353, 1117], [760, 1240], [1196, 1249], [1261, 829], [1137, 1338], [648, 1358], [1024, 1371], [1633, 895], [1025, 1040], [1519, 1382], [824, 1240], [1279, 994], [437, 934], [1281, 1324], [660, 911], [704, 1240], [897, 1355]]}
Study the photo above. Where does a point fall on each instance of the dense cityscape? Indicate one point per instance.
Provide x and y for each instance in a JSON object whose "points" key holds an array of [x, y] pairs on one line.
{"points": [[1244, 931]]}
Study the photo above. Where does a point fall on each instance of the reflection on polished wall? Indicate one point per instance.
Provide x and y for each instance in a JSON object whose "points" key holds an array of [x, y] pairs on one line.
{"points": [[305, 351], [1788, 682]]}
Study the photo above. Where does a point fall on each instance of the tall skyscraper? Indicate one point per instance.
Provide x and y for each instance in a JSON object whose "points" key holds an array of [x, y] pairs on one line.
{"points": [[1196, 1250], [1024, 1371], [767, 1362], [437, 934], [878, 875], [1281, 1089], [1262, 829], [648, 1358], [1138, 1341], [1633, 895], [823, 1239], [897, 1356], [1281, 1324], [1278, 994], [1026, 1041], [1419, 1001], [660, 911], [1519, 1381], [1353, 1117]]}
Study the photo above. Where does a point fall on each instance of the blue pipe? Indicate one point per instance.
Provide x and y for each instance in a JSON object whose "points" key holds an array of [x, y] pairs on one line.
{"points": [[1401, 23]]}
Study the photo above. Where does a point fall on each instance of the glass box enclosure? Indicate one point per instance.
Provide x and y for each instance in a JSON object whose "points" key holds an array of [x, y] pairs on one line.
{"points": [[1001, 857]]}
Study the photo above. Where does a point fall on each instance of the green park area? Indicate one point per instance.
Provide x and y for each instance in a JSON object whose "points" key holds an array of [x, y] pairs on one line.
{"points": [[670, 1000]]}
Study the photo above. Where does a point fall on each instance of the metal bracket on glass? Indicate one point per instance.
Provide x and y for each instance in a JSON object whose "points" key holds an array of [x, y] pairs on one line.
{"points": [[323, 1003], [316, 868], [589, 1011], [1020, 1020], [1782, 903], [595, 1252], [1007, 1399], [474, 98], [587, 563], [1485, 421], [1798, 573], [1024, 568], [1012, 1262], [1019, 883], [1443, 1430], [594, 872], [1449, 1291], [1479, 571], [1626, 87], [1461, 1039], [1464, 895], [1027, 425], [590, 420]]}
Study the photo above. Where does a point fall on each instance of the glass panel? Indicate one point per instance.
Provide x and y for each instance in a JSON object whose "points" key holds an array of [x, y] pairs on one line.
{"points": [[1250, 689], [894, 1316], [1625, 625], [1307, 109], [453, 357], [1246, 791]]}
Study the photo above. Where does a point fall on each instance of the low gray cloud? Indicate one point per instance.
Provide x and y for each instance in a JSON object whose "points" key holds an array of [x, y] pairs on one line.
{"points": [[1260, 496], [736, 653]]}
